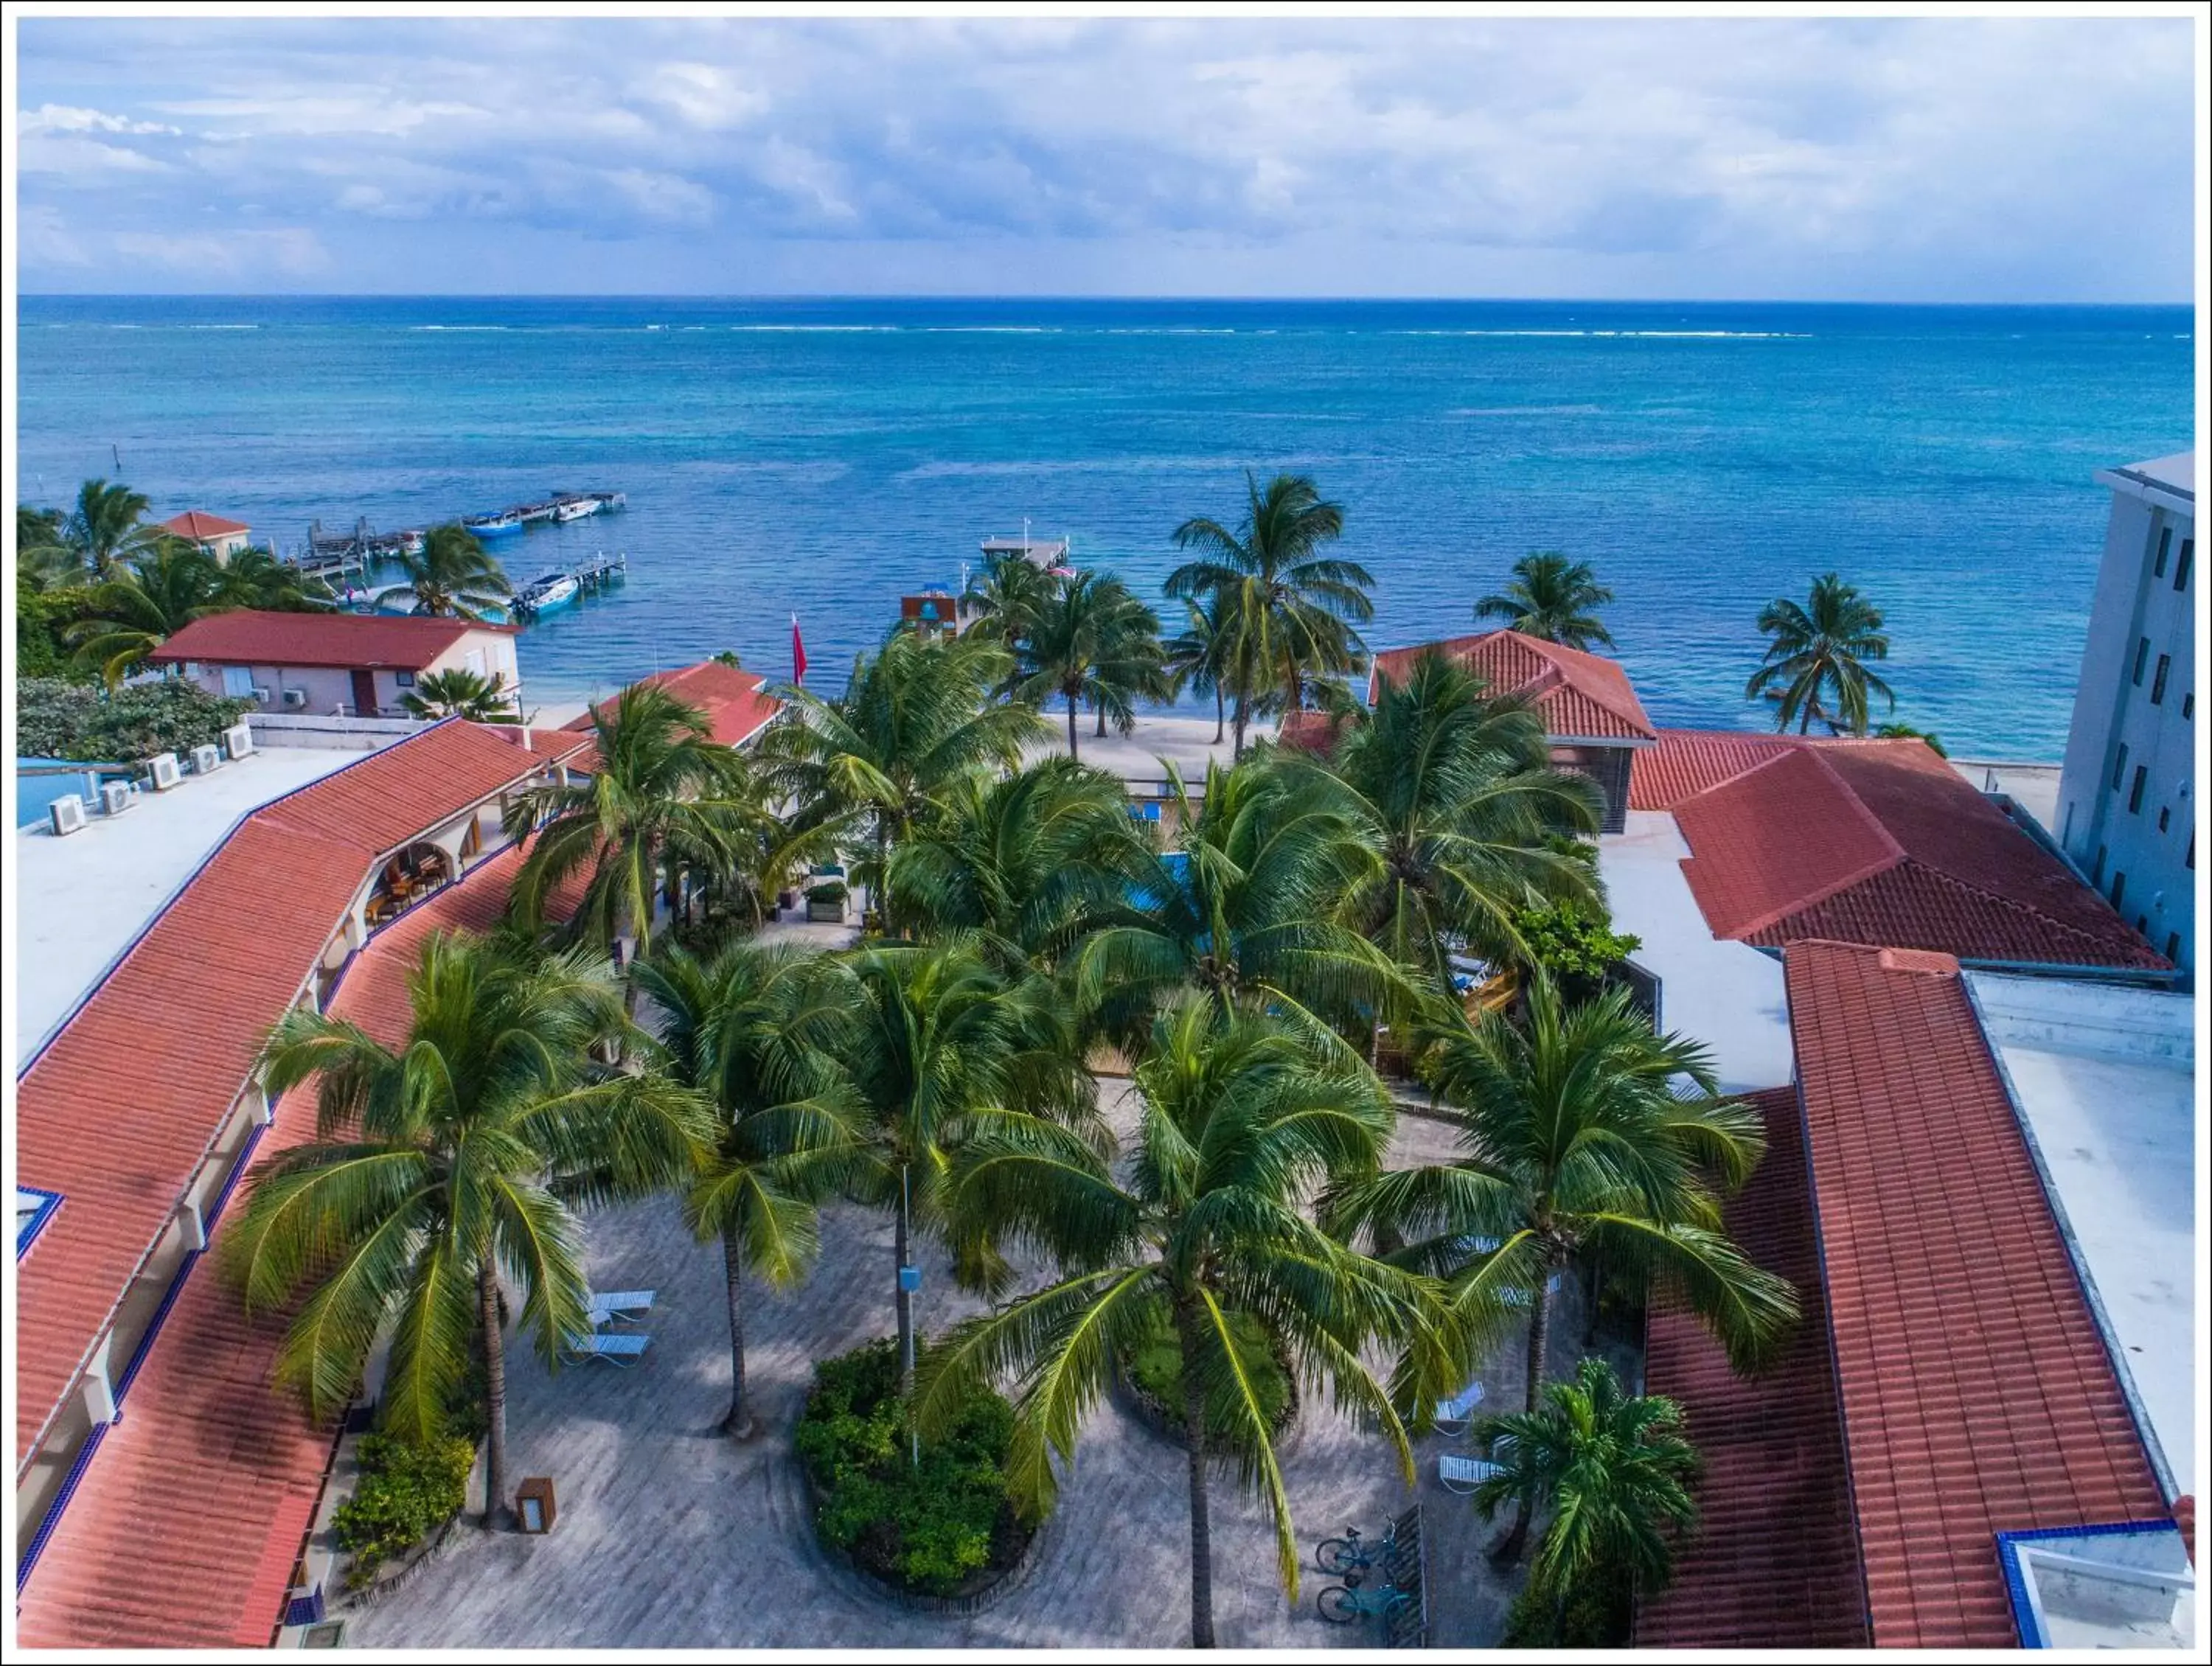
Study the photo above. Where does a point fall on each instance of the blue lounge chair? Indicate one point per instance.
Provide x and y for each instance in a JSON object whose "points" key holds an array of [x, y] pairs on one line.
{"points": [[626, 1350], [1463, 1475], [1452, 1414], [627, 1306]]}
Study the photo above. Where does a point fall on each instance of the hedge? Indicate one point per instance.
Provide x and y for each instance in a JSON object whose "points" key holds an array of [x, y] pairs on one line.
{"points": [[58, 719], [407, 1491]]}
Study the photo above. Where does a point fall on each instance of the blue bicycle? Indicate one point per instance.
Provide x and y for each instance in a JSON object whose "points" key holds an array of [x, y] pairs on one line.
{"points": [[1354, 1553], [1342, 1604]]}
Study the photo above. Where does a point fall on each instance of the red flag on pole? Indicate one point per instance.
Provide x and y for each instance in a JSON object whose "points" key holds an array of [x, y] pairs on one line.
{"points": [[797, 652]]}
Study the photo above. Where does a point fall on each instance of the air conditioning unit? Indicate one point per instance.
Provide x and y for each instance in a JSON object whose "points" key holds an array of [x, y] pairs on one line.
{"points": [[296, 700], [67, 814], [165, 770], [264, 695], [237, 741], [205, 759], [114, 797]]}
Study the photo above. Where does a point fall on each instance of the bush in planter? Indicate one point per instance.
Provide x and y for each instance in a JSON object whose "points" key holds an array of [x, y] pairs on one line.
{"points": [[832, 890], [929, 1527], [56, 719], [407, 1490], [1154, 1368]]}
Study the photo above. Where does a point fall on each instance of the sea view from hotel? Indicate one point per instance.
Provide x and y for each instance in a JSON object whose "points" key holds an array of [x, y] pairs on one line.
{"points": [[824, 456]]}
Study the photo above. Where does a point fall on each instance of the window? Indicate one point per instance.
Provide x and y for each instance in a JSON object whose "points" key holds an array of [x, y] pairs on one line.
{"points": [[2143, 923], [2097, 870], [2136, 789], [2158, 679], [474, 661], [2181, 567], [2173, 947], [2120, 888], [2189, 706], [2164, 816], [2143, 653], [238, 681], [2192, 863], [2120, 767], [407, 679], [2165, 544]]}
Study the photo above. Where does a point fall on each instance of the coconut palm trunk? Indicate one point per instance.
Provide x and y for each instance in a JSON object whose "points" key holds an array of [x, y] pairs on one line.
{"points": [[1539, 1340], [1201, 1533], [1220, 714], [1073, 750], [738, 1425], [901, 1237], [497, 1512]]}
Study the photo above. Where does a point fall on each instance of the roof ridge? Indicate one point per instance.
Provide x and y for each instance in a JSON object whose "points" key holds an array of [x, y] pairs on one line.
{"points": [[1859, 875]]}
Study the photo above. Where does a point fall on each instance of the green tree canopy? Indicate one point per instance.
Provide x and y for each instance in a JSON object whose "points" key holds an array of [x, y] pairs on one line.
{"points": [[1815, 664], [1553, 599]]}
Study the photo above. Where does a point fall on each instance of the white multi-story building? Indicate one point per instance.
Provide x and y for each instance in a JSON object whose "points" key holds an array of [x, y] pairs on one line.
{"points": [[2127, 803]]}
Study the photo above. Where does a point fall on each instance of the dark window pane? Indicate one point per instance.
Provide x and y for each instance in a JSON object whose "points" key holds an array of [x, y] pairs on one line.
{"points": [[2143, 653], [2181, 567], [2165, 544], [2164, 816], [2097, 872], [2189, 706], [2120, 888], [2143, 923], [2120, 767], [2158, 679], [2136, 789], [2173, 947]]}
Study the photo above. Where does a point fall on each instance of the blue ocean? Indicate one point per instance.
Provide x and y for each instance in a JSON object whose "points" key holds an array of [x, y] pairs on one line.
{"points": [[821, 457]]}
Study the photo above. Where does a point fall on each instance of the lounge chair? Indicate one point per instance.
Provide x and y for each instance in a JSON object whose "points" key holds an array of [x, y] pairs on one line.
{"points": [[1463, 1475], [625, 1305], [1452, 1414], [626, 1350]]}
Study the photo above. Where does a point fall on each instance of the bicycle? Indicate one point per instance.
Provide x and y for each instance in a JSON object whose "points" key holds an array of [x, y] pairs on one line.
{"points": [[1352, 1553], [1342, 1604]]}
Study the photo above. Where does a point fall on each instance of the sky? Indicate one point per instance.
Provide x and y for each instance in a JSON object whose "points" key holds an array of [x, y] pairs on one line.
{"points": [[1952, 160]]}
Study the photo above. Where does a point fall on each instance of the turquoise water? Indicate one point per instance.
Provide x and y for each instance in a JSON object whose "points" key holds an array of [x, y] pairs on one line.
{"points": [[824, 456]]}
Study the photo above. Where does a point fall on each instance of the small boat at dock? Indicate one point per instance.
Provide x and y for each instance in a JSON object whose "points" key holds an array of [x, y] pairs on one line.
{"points": [[495, 526], [574, 509], [546, 592]]}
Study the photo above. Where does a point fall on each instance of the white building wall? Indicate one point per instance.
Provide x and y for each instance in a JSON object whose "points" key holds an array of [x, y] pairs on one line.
{"points": [[2127, 819]]}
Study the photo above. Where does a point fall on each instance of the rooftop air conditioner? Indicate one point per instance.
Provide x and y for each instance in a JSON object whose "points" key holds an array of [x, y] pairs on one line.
{"points": [[237, 741], [67, 813], [296, 700], [114, 797], [164, 768], [205, 759], [264, 695]]}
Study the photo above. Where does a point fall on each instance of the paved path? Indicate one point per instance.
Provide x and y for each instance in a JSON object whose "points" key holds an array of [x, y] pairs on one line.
{"points": [[670, 1536]]}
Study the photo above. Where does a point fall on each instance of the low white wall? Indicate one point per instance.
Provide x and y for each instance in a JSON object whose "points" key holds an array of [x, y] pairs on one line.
{"points": [[281, 729]]}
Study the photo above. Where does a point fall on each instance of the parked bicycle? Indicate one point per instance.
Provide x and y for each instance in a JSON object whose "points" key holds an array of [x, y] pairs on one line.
{"points": [[1342, 1604], [1353, 1553]]}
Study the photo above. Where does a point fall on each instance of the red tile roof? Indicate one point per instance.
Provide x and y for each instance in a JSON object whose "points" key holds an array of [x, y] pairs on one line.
{"points": [[1884, 844], [1309, 731], [122, 1107], [1775, 1561], [1687, 761], [247, 636], [1977, 1395], [735, 703], [202, 528], [185, 1532], [1580, 696]]}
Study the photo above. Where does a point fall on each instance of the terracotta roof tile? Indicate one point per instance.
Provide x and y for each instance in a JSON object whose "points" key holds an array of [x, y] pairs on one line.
{"points": [[200, 526], [735, 703], [1579, 695], [1775, 1561], [1977, 1395], [249, 636]]}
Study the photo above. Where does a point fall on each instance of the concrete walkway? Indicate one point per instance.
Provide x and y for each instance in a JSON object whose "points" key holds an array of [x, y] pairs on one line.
{"points": [[670, 1536]]}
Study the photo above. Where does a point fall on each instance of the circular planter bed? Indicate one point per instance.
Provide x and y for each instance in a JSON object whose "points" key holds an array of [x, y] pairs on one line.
{"points": [[939, 1535], [1151, 1375]]}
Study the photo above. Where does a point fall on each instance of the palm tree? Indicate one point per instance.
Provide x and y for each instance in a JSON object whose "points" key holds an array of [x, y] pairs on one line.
{"points": [[1552, 599], [1093, 640], [1815, 664], [913, 719], [1291, 610], [1613, 1469], [460, 693], [1008, 597], [1459, 795], [43, 555], [748, 1031], [1238, 1119], [1244, 911], [255, 578], [944, 1046], [441, 1164], [661, 794], [108, 527], [140, 604], [1197, 655], [455, 576], [1021, 864], [1574, 1141]]}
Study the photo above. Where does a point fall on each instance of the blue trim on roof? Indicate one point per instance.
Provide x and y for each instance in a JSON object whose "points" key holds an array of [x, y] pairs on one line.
{"points": [[2032, 1635], [27, 1233]]}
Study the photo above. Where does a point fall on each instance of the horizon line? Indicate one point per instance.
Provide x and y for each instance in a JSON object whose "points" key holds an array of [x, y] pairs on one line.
{"points": [[2189, 302]]}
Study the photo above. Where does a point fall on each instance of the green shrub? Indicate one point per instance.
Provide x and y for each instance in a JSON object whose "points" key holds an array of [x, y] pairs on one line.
{"points": [[407, 1491], [929, 1527], [1570, 943], [57, 720], [829, 891], [1595, 1614], [39, 650], [1154, 1365]]}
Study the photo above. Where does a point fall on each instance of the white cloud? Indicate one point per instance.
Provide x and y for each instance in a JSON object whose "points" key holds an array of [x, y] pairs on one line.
{"points": [[291, 252], [70, 119]]}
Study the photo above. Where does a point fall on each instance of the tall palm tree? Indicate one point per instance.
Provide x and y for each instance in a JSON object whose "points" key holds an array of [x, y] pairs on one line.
{"points": [[1197, 655], [455, 577], [43, 555], [140, 604], [460, 693], [255, 578], [1008, 597], [944, 1046], [1458, 793], [1574, 1139], [1244, 910], [1093, 641], [1021, 864], [1552, 599], [661, 795], [915, 717], [108, 526], [1815, 664], [1238, 1119], [1291, 610], [1613, 1471], [749, 1031], [438, 1166]]}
